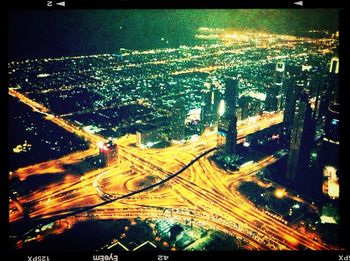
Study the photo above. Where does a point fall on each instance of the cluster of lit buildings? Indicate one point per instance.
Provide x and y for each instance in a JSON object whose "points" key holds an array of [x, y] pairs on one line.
{"points": [[309, 98], [309, 131], [311, 105]]}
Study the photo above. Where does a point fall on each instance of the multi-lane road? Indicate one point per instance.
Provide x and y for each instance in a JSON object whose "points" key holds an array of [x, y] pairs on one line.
{"points": [[202, 193]]}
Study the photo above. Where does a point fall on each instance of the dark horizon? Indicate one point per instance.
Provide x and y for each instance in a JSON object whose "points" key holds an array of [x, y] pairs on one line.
{"points": [[44, 34]]}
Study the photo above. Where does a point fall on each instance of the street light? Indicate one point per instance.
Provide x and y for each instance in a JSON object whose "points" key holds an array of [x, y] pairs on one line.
{"points": [[280, 193]]}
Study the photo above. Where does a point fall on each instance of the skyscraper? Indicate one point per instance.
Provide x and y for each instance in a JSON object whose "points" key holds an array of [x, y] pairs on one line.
{"points": [[329, 157], [275, 92], [227, 128], [332, 123], [292, 94], [301, 137], [334, 80], [330, 142], [177, 127], [210, 106], [279, 84], [334, 65], [329, 92]]}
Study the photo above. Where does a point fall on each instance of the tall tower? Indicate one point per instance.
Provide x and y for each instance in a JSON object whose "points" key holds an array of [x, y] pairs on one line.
{"points": [[328, 159], [210, 106], [329, 156], [301, 138], [275, 92], [334, 65], [292, 94], [331, 111], [279, 84], [227, 128], [334, 79], [177, 127], [329, 93]]}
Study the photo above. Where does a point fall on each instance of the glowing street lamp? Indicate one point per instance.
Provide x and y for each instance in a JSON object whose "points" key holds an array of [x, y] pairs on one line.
{"points": [[280, 193]]}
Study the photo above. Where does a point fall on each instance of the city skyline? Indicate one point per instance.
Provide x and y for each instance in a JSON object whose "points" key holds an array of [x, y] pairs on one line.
{"points": [[221, 138]]}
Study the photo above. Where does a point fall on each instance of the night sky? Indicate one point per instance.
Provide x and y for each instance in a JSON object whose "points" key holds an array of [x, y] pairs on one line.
{"points": [[55, 33]]}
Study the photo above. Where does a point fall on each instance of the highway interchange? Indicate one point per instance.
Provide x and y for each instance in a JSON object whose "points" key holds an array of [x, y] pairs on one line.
{"points": [[202, 193]]}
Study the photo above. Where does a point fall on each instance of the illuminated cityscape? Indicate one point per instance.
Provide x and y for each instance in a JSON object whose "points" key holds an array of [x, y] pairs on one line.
{"points": [[229, 141]]}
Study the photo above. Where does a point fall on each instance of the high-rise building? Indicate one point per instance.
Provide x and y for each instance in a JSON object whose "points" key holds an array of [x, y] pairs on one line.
{"points": [[330, 142], [279, 84], [275, 92], [279, 73], [328, 158], [334, 79], [227, 128], [210, 107], [316, 91], [334, 65], [332, 123], [311, 99], [109, 153], [329, 88], [292, 94], [329, 155], [177, 127], [301, 138]]}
